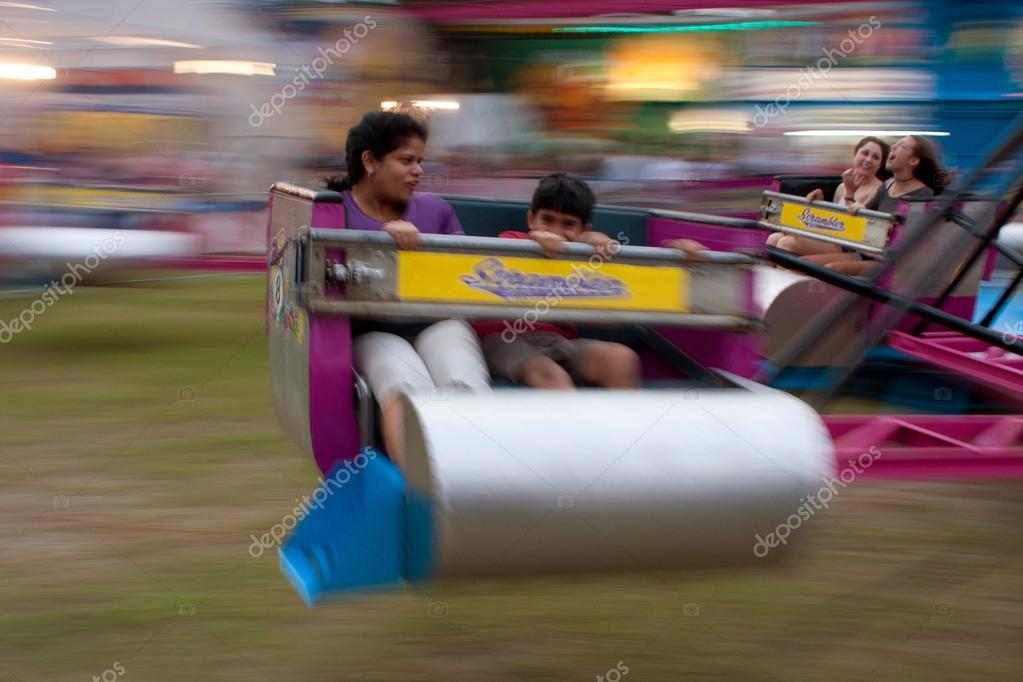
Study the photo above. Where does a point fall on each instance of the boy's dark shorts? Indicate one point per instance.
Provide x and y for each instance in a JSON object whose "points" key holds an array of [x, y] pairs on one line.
{"points": [[507, 359]]}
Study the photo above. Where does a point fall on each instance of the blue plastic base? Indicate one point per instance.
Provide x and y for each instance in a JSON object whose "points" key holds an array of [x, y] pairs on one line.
{"points": [[353, 536]]}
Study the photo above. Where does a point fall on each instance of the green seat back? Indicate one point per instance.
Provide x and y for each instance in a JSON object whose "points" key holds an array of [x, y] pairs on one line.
{"points": [[489, 217]]}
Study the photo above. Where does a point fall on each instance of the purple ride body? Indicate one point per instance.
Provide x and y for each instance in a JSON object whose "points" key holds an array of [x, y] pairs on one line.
{"points": [[332, 422]]}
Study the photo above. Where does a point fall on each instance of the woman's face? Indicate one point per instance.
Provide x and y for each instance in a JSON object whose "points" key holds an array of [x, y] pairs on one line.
{"points": [[394, 177], [901, 156], [867, 159]]}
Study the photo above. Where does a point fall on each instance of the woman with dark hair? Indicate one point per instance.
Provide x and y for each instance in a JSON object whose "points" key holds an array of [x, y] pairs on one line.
{"points": [[860, 184], [916, 172], [383, 157]]}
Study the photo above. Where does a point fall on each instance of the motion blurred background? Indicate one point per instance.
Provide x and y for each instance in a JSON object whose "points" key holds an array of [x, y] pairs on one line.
{"points": [[177, 118], [138, 449]]}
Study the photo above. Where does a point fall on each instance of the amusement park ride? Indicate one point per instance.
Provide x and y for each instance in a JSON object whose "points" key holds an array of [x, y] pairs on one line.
{"points": [[682, 473]]}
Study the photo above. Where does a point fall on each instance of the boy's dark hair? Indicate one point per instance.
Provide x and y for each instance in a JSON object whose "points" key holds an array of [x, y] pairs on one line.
{"points": [[381, 132], [566, 194]]}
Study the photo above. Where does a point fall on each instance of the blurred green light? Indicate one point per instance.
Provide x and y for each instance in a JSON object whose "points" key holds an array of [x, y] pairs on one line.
{"points": [[733, 26]]}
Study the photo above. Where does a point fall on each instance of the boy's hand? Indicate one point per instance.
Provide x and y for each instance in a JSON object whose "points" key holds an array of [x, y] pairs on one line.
{"points": [[550, 242], [604, 245], [405, 234], [690, 248], [816, 195]]}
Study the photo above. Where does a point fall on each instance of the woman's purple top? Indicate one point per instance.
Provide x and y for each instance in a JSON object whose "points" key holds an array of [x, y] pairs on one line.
{"points": [[428, 212], [431, 215]]}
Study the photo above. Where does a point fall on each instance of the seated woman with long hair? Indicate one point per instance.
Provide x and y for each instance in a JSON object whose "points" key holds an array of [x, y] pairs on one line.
{"points": [[860, 185], [383, 157], [916, 172]]}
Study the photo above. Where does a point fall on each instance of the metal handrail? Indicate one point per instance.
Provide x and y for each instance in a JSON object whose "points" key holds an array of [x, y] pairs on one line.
{"points": [[796, 199], [492, 245]]}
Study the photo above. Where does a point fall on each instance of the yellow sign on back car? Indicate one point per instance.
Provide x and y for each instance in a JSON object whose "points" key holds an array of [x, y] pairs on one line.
{"points": [[822, 221], [467, 278]]}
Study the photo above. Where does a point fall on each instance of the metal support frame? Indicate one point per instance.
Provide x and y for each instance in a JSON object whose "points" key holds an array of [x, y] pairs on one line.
{"points": [[870, 290], [986, 239]]}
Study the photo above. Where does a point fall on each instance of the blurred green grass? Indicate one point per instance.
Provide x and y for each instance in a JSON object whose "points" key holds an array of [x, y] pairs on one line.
{"points": [[147, 564]]}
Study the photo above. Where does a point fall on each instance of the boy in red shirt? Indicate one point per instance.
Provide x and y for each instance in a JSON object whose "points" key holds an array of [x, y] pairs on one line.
{"points": [[547, 355]]}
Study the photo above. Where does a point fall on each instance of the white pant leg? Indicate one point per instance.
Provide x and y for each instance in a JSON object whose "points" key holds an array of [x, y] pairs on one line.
{"points": [[451, 351], [389, 364]]}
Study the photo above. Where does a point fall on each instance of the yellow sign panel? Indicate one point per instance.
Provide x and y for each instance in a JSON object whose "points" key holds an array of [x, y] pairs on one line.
{"points": [[466, 278], [822, 221]]}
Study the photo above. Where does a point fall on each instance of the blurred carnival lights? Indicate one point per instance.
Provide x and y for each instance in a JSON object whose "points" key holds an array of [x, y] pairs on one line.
{"points": [[27, 72], [225, 66]]}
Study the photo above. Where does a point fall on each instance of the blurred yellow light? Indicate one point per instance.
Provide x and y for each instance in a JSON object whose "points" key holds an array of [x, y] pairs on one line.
{"points": [[710, 122], [27, 72], [228, 66], [436, 104], [138, 41], [388, 104], [660, 67]]}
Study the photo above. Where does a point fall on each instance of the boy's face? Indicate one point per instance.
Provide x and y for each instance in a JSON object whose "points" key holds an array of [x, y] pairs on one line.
{"points": [[568, 227]]}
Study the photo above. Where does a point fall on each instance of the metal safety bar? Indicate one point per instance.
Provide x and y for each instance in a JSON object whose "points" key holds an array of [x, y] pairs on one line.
{"points": [[399, 310], [526, 247], [640, 285], [876, 232], [705, 219]]}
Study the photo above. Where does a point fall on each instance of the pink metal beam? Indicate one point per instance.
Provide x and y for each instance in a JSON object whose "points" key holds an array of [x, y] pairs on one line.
{"points": [[931, 446]]}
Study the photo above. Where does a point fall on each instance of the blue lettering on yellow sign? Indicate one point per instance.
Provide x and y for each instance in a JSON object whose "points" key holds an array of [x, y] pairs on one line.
{"points": [[809, 219], [492, 276]]}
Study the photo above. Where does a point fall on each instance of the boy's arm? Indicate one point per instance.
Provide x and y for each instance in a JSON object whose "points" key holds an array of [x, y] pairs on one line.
{"points": [[604, 245], [550, 242], [689, 247]]}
